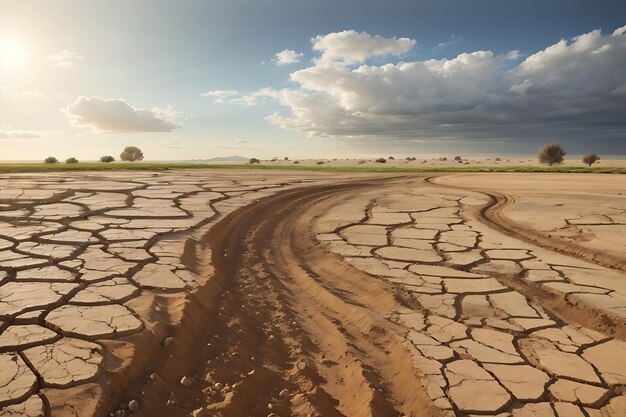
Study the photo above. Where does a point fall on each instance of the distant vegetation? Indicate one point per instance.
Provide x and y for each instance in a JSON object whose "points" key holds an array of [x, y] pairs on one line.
{"points": [[131, 154], [71, 160], [51, 160], [381, 160], [551, 154], [107, 158], [157, 166], [591, 159], [254, 161]]}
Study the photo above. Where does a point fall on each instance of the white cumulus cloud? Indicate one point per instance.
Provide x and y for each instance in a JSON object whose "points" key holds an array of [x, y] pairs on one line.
{"points": [[287, 56], [572, 87], [355, 47], [115, 115]]}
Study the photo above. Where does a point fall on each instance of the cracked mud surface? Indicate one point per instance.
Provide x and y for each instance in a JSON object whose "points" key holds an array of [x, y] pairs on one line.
{"points": [[488, 336], [79, 257], [381, 297]]}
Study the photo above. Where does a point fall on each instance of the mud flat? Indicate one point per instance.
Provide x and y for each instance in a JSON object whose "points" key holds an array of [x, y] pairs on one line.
{"points": [[308, 294]]}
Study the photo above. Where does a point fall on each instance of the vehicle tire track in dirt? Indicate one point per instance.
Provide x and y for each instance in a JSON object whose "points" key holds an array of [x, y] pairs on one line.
{"points": [[583, 314], [285, 327], [493, 215]]}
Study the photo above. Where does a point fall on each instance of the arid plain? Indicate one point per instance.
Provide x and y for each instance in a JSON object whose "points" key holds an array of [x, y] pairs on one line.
{"points": [[294, 293]]}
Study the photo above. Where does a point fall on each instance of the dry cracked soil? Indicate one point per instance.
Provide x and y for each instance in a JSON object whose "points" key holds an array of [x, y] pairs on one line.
{"points": [[242, 293]]}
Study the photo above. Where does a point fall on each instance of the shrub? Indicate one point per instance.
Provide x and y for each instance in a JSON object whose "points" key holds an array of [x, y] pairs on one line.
{"points": [[361, 162], [320, 162], [381, 160], [457, 158], [391, 158], [286, 158], [551, 154], [296, 162], [107, 158], [131, 154], [51, 160], [411, 158], [590, 159], [71, 160], [254, 161]]}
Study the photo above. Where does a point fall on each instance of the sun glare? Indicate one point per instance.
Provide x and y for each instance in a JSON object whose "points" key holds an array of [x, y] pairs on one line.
{"points": [[11, 55]]}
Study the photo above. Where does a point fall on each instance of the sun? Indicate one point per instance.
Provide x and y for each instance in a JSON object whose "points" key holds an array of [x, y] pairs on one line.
{"points": [[12, 55]]}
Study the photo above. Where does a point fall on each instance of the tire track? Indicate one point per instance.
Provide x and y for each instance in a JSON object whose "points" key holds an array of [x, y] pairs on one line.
{"points": [[493, 216], [288, 328]]}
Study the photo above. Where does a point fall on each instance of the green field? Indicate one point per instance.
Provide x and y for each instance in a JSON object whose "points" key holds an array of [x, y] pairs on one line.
{"points": [[156, 166]]}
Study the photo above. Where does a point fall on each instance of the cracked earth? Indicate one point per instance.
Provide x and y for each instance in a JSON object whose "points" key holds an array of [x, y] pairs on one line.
{"points": [[311, 294]]}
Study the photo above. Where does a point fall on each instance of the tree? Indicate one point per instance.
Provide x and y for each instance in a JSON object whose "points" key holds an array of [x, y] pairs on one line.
{"points": [[51, 160], [131, 154], [107, 158], [381, 160], [254, 161], [551, 154], [457, 158], [590, 159], [71, 160]]}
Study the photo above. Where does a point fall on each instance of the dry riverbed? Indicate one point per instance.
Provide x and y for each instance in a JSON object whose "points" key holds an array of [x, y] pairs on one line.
{"points": [[248, 293]]}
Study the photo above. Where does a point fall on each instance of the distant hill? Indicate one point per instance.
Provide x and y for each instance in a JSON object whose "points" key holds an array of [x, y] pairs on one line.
{"points": [[231, 158]]}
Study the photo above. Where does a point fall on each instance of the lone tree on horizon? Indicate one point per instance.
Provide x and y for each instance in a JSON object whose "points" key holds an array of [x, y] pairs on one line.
{"points": [[551, 154], [591, 159], [51, 160], [131, 154], [107, 158]]}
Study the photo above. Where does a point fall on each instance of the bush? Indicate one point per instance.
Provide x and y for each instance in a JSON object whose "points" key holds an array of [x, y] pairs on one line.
{"points": [[131, 154], [391, 158], [51, 160], [361, 162], [107, 158], [381, 160], [590, 159], [320, 162], [71, 160], [551, 154], [286, 158], [254, 161], [296, 162], [457, 158]]}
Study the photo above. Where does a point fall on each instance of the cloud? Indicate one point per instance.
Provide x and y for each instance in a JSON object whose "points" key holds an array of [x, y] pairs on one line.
{"points": [[220, 96], [6, 132], [240, 141], [287, 56], [355, 47], [442, 45], [574, 87], [65, 58], [115, 115]]}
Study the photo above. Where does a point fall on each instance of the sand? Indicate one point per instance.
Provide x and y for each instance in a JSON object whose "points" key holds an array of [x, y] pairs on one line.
{"points": [[243, 293]]}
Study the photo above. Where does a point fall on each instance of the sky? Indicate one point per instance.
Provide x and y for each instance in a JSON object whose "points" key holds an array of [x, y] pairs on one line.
{"points": [[192, 79]]}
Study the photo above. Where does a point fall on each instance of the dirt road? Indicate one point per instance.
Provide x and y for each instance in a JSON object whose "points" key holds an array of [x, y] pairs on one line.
{"points": [[289, 327]]}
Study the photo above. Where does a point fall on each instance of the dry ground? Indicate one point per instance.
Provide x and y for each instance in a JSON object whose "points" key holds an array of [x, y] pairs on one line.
{"points": [[247, 293]]}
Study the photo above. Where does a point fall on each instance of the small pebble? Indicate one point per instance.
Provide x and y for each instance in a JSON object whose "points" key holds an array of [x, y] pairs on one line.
{"points": [[283, 393], [185, 381], [218, 386], [200, 412], [133, 405], [153, 376], [168, 340]]}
